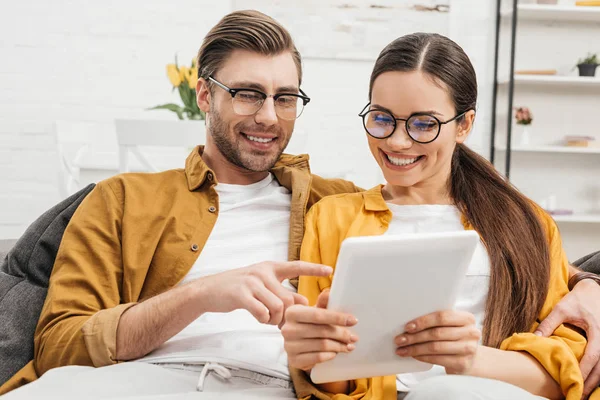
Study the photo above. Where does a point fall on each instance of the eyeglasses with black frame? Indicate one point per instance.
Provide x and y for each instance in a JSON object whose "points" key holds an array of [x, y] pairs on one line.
{"points": [[288, 106], [421, 127]]}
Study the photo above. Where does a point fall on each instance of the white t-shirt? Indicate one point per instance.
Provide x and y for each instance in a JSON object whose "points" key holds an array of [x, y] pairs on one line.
{"points": [[253, 226], [472, 295]]}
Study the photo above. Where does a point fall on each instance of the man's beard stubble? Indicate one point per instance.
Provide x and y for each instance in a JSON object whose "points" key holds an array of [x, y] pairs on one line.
{"points": [[230, 147]]}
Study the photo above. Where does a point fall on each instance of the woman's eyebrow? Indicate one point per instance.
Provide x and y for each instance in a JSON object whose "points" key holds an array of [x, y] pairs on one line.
{"points": [[380, 107]]}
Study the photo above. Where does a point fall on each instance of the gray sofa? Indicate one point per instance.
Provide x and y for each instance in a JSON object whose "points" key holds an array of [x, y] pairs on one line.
{"points": [[25, 267]]}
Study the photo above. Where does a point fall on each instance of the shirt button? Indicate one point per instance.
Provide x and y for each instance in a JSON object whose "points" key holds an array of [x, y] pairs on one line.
{"points": [[209, 176], [212, 209], [194, 247]]}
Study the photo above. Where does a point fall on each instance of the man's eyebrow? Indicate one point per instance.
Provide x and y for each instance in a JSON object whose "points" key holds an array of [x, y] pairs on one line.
{"points": [[247, 85], [258, 86], [288, 89]]}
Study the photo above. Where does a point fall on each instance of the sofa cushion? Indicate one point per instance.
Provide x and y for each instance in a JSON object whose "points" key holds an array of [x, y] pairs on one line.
{"points": [[24, 275], [589, 263]]}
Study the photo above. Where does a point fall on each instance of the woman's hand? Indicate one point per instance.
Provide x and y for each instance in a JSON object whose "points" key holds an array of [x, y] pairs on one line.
{"points": [[447, 338], [313, 335]]}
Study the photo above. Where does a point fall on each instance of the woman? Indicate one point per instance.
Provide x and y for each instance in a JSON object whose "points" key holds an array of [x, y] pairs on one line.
{"points": [[423, 94]]}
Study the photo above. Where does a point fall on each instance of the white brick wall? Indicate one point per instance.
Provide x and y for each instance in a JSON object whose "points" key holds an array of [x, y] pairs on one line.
{"points": [[96, 61]]}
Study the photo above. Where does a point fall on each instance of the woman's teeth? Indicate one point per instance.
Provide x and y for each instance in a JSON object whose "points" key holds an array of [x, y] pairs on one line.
{"points": [[402, 161], [259, 140]]}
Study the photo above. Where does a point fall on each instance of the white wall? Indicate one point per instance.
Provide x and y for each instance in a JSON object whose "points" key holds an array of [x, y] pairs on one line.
{"points": [[96, 61]]}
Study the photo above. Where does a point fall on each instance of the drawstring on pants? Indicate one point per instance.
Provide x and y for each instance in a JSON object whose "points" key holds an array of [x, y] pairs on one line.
{"points": [[217, 368]]}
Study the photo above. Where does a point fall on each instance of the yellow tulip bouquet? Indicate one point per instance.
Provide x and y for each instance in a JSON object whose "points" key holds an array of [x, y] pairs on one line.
{"points": [[184, 80]]}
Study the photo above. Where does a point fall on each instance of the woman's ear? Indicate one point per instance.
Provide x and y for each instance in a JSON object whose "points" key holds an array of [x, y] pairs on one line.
{"points": [[203, 96], [465, 125]]}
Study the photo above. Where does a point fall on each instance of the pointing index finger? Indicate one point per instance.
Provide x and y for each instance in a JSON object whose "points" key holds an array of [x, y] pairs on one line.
{"points": [[294, 269]]}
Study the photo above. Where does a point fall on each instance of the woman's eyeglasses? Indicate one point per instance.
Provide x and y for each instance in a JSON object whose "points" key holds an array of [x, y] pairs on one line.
{"points": [[421, 127], [288, 106]]}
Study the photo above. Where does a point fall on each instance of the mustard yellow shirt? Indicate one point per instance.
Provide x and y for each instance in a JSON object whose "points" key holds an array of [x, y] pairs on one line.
{"points": [[133, 237], [338, 217]]}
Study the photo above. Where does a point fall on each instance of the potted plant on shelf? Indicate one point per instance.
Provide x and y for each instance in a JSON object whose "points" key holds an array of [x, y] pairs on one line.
{"points": [[184, 80], [587, 66], [524, 118]]}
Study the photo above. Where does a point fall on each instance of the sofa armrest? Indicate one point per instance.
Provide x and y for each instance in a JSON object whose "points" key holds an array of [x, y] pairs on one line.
{"points": [[5, 246]]}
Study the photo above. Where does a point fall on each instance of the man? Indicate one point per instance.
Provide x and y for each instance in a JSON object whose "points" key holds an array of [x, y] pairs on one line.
{"points": [[188, 264], [168, 270]]}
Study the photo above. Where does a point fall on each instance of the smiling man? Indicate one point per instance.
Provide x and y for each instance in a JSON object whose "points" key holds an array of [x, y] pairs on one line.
{"points": [[183, 274]]}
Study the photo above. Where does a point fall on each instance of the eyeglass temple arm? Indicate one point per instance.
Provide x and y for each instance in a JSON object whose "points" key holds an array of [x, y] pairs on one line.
{"points": [[216, 82], [360, 114]]}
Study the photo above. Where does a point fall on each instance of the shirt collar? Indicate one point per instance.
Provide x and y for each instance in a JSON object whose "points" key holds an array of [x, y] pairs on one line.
{"points": [[374, 201], [197, 172]]}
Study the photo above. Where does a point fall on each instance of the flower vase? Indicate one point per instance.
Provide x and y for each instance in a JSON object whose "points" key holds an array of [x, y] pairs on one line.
{"points": [[524, 135]]}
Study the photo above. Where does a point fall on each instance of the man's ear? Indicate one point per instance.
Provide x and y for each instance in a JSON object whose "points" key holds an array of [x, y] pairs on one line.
{"points": [[465, 126], [203, 97]]}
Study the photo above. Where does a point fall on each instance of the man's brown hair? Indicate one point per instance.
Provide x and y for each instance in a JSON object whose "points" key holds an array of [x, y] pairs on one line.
{"points": [[244, 30]]}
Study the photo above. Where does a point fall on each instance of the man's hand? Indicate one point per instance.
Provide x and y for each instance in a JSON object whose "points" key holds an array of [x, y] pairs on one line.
{"points": [[258, 289], [581, 307], [147, 325]]}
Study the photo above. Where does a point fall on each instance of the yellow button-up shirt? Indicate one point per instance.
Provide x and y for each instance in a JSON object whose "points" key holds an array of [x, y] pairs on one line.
{"points": [[133, 237], [366, 214]]}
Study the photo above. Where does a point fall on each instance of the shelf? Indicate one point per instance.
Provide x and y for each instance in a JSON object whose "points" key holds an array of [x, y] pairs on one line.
{"points": [[543, 12], [552, 149], [578, 218], [555, 80]]}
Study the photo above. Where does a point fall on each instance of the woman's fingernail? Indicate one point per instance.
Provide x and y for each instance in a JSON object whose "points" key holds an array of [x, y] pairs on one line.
{"points": [[353, 338], [402, 352], [351, 321], [351, 347], [401, 340], [411, 327]]}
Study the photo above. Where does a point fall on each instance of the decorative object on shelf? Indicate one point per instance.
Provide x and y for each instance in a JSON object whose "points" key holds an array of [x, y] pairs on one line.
{"points": [[183, 79], [587, 66], [524, 118], [554, 2], [578, 141], [536, 72]]}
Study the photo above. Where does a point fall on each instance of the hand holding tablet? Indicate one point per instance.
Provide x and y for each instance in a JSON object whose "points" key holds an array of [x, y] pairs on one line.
{"points": [[385, 282]]}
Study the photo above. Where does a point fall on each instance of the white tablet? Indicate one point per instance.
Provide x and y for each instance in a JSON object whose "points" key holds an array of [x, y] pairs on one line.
{"points": [[385, 282]]}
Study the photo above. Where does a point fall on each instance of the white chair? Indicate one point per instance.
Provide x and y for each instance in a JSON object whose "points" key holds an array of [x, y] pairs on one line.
{"points": [[131, 134], [72, 142]]}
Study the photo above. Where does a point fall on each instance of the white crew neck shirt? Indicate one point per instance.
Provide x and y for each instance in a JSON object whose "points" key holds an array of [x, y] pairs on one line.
{"points": [[472, 296], [252, 226]]}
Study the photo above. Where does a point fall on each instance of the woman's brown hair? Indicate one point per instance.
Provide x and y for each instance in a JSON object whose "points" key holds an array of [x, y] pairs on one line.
{"points": [[505, 219]]}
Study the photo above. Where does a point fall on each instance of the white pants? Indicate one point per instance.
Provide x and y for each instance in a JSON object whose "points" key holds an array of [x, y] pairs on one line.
{"points": [[136, 380], [454, 387]]}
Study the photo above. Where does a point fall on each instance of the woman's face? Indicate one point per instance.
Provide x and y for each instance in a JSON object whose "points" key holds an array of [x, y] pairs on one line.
{"points": [[404, 162]]}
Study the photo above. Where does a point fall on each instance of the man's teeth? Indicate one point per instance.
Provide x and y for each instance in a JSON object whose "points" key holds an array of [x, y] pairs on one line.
{"points": [[259, 140], [402, 161]]}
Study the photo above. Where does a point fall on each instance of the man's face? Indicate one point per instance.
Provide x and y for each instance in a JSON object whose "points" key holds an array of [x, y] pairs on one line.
{"points": [[252, 142]]}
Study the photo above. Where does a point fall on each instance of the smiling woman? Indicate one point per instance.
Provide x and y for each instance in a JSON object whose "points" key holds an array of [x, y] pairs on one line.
{"points": [[435, 183]]}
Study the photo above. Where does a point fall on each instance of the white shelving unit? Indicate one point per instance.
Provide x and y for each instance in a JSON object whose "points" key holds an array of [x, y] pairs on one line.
{"points": [[559, 13], [551, 149], [556, 80], [554, 37], [578, 218]]}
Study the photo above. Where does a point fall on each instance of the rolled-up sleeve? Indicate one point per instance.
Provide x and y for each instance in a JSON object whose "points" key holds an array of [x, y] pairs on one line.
{"points": [[78, 323]]}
